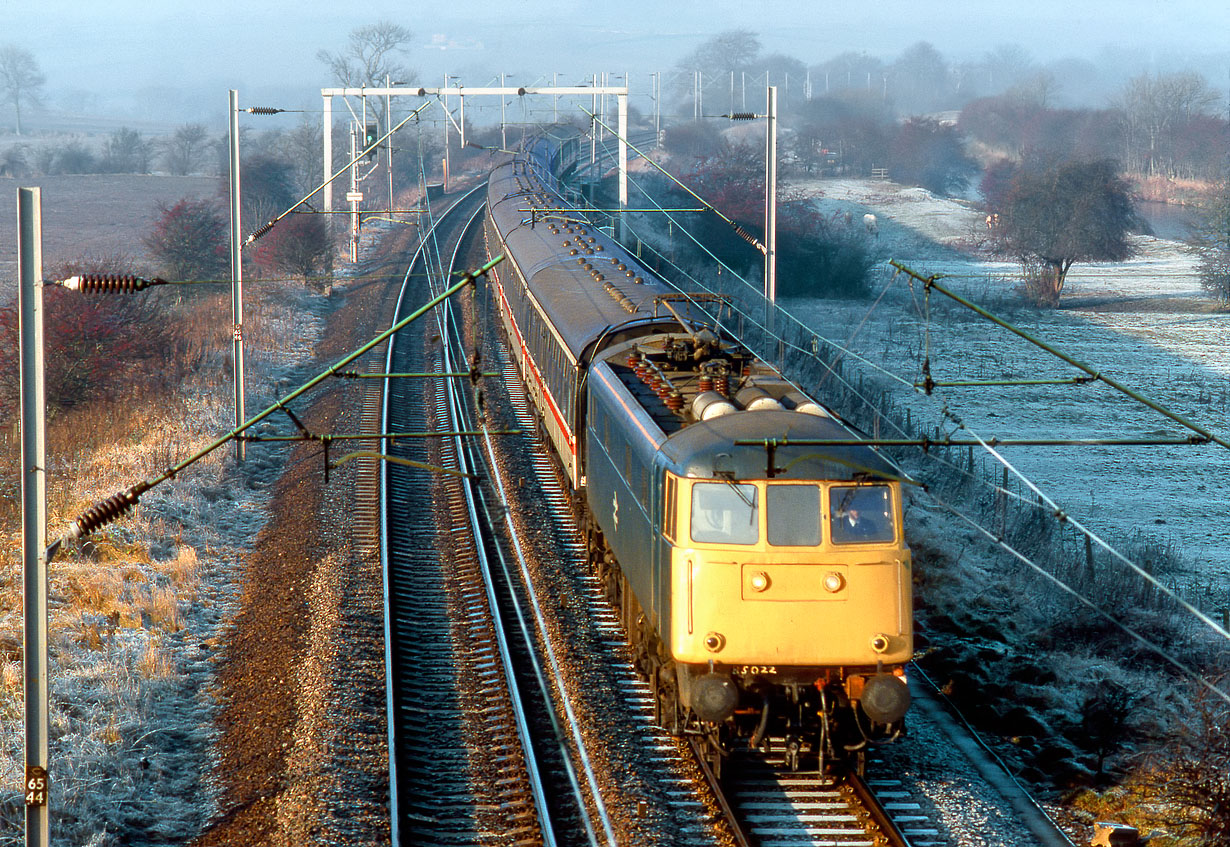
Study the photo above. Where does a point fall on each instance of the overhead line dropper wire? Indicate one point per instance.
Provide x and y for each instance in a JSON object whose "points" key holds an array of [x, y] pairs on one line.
{"points": [[1053, 507]]}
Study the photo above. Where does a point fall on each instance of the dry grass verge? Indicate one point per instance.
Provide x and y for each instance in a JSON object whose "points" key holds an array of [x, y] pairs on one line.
{"points": [[138, 610]]}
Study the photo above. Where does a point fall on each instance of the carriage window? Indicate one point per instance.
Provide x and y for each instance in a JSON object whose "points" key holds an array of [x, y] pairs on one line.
{"points": [[793, 512], [861, 514], [724, 513]]}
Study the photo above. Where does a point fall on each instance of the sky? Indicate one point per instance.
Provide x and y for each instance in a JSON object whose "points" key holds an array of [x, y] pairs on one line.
{"points": [[101, 53]]}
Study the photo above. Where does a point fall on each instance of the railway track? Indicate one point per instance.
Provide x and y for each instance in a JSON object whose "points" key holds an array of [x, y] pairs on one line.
{"points": [[461, 763], [768, 806], [771, 807]]}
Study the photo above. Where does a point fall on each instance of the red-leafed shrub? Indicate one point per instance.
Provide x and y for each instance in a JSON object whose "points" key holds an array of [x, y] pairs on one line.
{"points": [[299, 246], [96, 346], [190, 241]]}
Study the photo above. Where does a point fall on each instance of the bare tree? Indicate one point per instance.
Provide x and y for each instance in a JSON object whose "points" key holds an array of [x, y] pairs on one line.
{"points": [[918, 81], [1037, 89], [370, 57], [126, 152], [1056, 213], [857, 71], [1158, 107], [1211, 243], [182, 152], [1190, 777], [732, 51], [1005, 66], [20, 77], [301, 147]]}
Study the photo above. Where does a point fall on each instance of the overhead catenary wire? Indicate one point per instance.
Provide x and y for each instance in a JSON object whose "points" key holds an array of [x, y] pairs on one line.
{"points": [[1059, 514], [737, 227], [1085, 601], [1062, 517], [931, 283]]}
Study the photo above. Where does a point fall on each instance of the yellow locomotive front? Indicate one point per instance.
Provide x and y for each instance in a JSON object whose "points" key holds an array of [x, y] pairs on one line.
{"points": [[789, 573], [790, 607]]}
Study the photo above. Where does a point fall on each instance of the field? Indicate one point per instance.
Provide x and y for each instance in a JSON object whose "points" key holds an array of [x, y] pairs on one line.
{"points": [[93, 214], [1144, 323]]}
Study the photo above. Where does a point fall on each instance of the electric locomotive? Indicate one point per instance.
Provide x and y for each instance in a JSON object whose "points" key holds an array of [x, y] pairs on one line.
{"points": [[764, 585]]}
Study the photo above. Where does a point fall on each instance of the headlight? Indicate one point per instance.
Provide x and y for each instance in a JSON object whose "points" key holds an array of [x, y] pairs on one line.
{"points": [[833, 582], [714, 642], [759, 581]]}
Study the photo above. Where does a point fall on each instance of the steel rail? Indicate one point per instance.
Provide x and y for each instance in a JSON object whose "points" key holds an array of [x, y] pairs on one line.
{"points": [[385, 556], [879, 815], [469, 485], [728, 812], [543, 632]]}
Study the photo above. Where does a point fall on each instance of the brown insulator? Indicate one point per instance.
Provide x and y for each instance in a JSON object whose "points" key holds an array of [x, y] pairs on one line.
{"points": [[634, 357], [705, 383], [721, 385], [642, 370], [674, 401]]}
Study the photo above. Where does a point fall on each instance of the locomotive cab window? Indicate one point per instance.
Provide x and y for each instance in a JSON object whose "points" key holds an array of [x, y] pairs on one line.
{"points": [[725, 513], [861, 514], [793, 515]]}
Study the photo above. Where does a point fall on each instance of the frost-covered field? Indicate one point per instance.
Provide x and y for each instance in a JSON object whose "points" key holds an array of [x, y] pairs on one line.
{"points": [[1143, 322]]}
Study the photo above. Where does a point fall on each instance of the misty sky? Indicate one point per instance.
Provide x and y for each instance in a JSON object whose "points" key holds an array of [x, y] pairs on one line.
{"points": [[208, 46]]}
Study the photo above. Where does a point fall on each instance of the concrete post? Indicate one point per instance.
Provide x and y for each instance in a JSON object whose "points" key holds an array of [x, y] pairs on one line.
{"points": [[33, 513], [770, 205], [236, 275]]}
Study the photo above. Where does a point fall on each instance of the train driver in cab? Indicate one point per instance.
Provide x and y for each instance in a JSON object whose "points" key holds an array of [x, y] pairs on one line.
{"points": [[861, 514]]}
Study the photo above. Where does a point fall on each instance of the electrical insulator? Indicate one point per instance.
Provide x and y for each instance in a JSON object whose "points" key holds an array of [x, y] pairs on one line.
{"points": [[260, 232], [263, 110], [109, 283], [102, 513], [743, 116], [370, 133]]}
